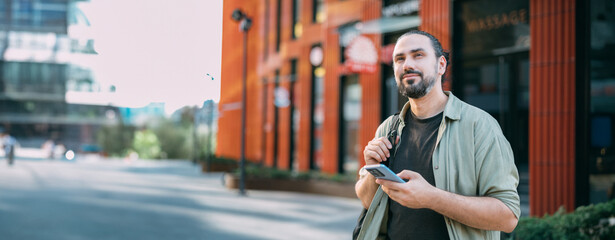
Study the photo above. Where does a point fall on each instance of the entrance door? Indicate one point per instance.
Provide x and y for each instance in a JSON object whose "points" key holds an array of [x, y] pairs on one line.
{"points": [[500, 86], [491, 70]]}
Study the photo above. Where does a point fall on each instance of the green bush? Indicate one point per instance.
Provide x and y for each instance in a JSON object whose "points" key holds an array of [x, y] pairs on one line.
{"points": [[146, 144], [175, 139], [259, 171], [115, 140], [586, 222]]}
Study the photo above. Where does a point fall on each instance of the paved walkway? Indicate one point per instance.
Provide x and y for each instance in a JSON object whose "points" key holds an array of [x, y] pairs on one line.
{"points": [[115, 199]]}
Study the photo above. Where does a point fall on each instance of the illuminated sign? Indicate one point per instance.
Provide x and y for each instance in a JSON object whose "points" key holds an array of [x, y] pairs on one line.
{"points": [[497, 21], [361, 55], [404, 8], [493, 27], [316, 56]]}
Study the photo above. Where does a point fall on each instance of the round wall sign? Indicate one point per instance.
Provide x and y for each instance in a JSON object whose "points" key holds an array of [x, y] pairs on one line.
{"points": [[316, 56]]}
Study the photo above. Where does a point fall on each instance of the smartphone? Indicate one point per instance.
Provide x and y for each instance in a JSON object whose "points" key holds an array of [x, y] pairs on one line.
{"points": [[384, 172]]}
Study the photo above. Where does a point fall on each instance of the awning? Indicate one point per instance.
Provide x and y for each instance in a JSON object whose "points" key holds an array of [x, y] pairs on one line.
{"points": [[388, 24]]}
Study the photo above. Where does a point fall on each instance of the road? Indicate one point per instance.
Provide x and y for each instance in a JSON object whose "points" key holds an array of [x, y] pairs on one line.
{"points": [[117, 199]]}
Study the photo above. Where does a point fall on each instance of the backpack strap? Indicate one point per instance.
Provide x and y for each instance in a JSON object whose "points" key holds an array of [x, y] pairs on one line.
{"points": [[373, 222], [392, 136]]}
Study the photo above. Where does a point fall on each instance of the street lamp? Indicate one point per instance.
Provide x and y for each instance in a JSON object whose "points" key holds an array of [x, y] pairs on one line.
{"points": [[245, 23]]}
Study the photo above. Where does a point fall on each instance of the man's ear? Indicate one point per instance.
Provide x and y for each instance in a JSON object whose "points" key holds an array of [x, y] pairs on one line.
{"points": [[442, 65]]}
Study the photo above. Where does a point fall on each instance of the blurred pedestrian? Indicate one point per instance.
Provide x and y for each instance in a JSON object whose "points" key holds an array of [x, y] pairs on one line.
{"points": [[8, 143], [460, 171], [48, 148], [59, 150]]}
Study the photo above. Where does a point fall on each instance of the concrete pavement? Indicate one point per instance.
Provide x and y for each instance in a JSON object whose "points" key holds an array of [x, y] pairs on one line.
{"points": [[116, 199]]}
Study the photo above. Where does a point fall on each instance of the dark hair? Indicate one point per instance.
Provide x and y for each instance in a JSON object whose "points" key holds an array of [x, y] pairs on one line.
{"points": [[437, 47]]}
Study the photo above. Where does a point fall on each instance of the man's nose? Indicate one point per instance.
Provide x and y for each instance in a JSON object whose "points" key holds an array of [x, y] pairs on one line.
{"points": [[409, 64]]}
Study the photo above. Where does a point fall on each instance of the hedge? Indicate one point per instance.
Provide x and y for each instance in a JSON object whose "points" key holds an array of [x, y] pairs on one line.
{"points": [[586, 222]]}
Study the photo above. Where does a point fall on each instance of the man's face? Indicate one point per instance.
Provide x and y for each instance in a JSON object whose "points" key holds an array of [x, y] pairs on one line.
{"points": [[415, 66]]}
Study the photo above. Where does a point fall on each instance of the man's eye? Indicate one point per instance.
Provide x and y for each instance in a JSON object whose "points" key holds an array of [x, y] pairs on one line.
{"points": [[399, 59]]}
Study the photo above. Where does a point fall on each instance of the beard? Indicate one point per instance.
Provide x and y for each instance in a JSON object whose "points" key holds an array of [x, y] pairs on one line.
{"points": [[417, 90]]}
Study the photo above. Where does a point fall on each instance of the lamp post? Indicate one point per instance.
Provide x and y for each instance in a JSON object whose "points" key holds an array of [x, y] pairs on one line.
{"points": [[245, 23], [195, 120]]}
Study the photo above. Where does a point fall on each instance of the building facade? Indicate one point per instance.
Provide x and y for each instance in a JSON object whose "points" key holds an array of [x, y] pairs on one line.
{"points": [[319, 82], [45, 66]]}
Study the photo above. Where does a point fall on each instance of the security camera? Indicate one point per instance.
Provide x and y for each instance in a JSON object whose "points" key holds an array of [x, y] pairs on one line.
{"points": [[237, 15]]}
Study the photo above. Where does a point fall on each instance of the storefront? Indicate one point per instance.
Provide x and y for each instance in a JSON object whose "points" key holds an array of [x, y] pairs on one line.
{"points": [[601, 107], [542, 69], [491, 64]]}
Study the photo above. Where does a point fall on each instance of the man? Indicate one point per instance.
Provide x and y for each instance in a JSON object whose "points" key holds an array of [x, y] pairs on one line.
{"points": [[8, 143], [460, 171]]}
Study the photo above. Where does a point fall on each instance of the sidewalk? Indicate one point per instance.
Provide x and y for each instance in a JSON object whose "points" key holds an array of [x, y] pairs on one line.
{"points": [[114, 199]]}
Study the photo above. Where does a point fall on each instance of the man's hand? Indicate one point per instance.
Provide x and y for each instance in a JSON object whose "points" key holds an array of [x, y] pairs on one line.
{"points": [[479, 212], [416, 193], [377, 151]]}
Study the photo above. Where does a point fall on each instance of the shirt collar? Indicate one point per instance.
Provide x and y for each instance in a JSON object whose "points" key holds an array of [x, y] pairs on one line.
{"points": [[452, 110]]}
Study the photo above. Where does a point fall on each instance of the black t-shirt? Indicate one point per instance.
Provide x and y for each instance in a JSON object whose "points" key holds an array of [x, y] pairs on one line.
{"points": [[414, 153]]}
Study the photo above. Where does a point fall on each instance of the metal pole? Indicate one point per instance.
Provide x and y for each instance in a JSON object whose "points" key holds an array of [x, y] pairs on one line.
{"points": [[209, 121], [195, 159], [242, 160]]}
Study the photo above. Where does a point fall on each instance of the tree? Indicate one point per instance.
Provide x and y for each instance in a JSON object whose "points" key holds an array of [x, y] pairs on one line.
{"points": [[146, 144]]}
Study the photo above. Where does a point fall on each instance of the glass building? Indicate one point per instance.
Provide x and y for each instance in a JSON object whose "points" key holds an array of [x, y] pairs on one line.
{"points": [[45, 57]]}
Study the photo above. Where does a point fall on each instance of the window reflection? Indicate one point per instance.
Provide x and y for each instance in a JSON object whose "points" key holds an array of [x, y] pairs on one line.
{"points": [[602, 101], [351, 115]]}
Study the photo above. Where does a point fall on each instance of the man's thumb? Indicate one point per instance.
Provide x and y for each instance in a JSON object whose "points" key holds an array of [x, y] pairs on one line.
{"points": [[407, 174]]}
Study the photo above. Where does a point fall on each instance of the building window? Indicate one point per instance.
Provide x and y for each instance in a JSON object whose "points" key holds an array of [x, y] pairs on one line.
{"points": [[318, 11], [318, 118], [602, 99], [278, 24], [493, 69], [275, 120], [297, 30], [35, 15], [494, 66], [347, 33], [5, 14], [36, 78], [349, 124], [266, 25], [294, 116], [317, 106], [265, 125]]}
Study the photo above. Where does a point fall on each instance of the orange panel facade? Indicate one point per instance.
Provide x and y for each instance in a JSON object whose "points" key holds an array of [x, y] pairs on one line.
{"points": [[552, 106], [435, 19], [228, 143], [337, 13], [269, 128], [371, 87]]}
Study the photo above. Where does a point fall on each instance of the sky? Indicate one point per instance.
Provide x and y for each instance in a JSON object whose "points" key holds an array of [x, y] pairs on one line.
{"points": [[158, 50]]}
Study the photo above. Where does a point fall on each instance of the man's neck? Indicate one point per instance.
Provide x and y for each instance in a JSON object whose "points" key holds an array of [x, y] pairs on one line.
{"points": [[429, 105]]}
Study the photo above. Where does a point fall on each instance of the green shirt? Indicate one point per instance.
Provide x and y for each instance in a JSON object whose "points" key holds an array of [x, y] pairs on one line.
{"points": [[472, 158]]}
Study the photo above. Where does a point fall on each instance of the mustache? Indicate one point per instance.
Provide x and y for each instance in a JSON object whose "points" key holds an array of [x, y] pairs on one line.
{"points": [[410, 71]]}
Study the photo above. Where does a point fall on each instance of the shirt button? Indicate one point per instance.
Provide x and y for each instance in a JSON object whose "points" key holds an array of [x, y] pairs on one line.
{"points": [[436, 167]]}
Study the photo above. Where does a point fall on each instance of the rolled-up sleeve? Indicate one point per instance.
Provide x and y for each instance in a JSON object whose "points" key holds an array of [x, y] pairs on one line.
{"points": [[497, 174]]}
